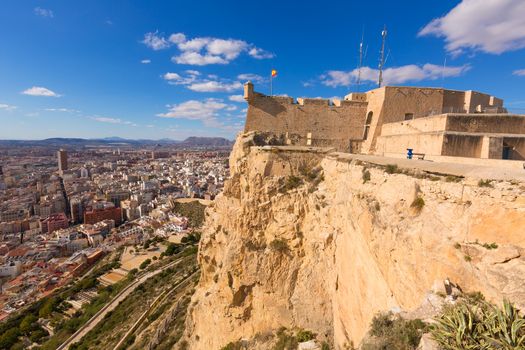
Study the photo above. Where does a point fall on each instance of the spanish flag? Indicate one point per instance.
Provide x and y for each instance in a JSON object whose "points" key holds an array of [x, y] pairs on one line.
{"points": [[274, 73]]}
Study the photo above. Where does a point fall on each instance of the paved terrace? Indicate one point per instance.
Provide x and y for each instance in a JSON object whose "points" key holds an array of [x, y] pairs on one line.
{"points": [[442, 168]]}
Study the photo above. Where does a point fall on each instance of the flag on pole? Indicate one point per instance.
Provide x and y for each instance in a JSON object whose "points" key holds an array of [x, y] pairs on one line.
{"points": [[274, 73]]}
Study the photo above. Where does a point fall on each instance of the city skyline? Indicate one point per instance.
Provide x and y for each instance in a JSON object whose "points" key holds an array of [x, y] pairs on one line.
{"points": [[121, 69]]}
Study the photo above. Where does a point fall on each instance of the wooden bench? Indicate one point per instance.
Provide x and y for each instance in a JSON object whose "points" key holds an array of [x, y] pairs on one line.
{"points": [[420, 156]]}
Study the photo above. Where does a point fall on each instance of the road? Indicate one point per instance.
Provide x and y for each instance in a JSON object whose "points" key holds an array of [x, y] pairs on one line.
{"points": [[99, 316], [160, 299]]}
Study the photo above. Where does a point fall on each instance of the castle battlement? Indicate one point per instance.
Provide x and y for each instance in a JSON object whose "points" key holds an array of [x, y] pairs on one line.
{"points": [[356, 123]]}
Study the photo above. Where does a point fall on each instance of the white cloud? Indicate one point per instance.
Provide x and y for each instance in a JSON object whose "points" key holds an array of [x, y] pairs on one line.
{"points": [[254, 78], [107, 120], [520, 72], [43, 12], [6, 107], [492, 26], [112, 120], [172, 76], [211, 112], [177, 79], [260, 54], [205, 111], [396, 75], [202, 51], [40, 91], [155, 41], [196, 59], [230, 49], [146, 61], [66, 110], [194, 82], [236, 98], [195, 44], [177, 38], [215, 86]]}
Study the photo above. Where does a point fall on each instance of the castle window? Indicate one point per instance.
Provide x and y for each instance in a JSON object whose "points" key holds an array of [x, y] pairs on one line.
{"points": [[367, 124], [409, 116]]}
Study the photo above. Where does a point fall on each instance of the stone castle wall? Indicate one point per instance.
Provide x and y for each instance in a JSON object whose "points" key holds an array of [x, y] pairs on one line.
{"points": [[355, 124], [317, 120]]}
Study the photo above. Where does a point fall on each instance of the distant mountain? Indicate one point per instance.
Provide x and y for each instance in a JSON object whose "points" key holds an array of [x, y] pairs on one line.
{"points": [[112, 138], [192, 141], [206, 141]]}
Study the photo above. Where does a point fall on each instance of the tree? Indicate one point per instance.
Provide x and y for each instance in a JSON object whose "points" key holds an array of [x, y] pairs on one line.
{"points": [[9, 338], [28, 324], [145, 264], [172, 248], [47, 308]]}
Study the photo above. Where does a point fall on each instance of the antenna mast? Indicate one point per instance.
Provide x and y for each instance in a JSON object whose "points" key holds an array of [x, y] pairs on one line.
{"points": [[382, 59], [360, 62]]}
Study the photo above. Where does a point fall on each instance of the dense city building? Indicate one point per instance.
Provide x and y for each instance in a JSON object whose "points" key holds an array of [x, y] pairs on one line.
{"points": [[97, 200]]}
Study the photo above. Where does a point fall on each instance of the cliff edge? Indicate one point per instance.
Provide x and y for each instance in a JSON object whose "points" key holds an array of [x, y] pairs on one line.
{"points": [[311, 239]]}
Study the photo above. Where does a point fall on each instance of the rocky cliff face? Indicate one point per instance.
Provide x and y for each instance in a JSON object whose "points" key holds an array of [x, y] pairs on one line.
{"points": [[304, 239]]}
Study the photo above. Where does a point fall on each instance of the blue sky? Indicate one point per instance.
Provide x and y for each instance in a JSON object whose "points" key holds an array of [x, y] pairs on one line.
{"points": [[157, 69]]}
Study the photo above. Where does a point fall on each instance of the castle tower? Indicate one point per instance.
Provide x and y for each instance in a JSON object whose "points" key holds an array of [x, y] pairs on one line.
{"points": [[248, 90]]}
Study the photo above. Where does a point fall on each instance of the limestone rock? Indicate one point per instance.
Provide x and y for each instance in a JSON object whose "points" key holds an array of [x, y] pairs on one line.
{"points": [[427, 343], [327, 255], [309, 345]]}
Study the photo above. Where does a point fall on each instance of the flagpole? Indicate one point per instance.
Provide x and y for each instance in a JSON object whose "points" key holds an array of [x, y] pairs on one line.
{"points": [[271, 83]]}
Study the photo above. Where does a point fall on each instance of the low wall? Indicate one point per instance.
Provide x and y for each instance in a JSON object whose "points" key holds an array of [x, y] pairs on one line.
{"points": [[428, 143], [498, 163]]}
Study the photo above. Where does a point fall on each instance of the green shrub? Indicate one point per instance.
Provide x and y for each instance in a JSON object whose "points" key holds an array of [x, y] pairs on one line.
{"points": [[233, 346], [485, 183], [285, 340], [192, 238], [457, 245], [391, 169], [489, 246], [392, 332], [467, 258], [452, 178], [145, 264], [279, 245], [291, 183], [366, 175], [190, 251], [303, 335], [37, 335], [418, 204], [172, 249], [476, 324]]}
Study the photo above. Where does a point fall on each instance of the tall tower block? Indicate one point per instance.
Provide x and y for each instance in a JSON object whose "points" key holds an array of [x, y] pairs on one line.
{"points": [[62, 160]]}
